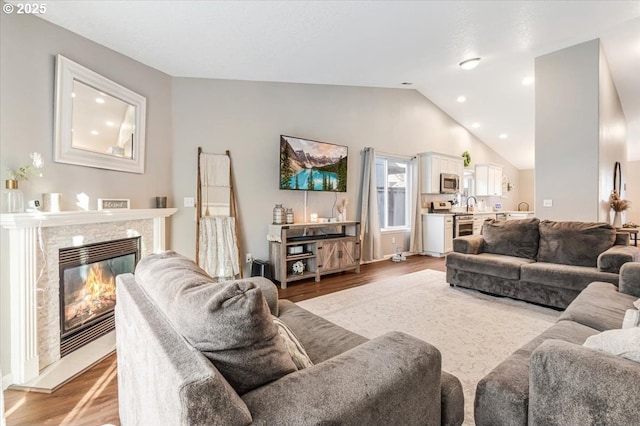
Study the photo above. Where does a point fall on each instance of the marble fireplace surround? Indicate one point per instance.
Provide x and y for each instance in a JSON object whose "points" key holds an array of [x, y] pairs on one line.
{"points": [[34, 242]]}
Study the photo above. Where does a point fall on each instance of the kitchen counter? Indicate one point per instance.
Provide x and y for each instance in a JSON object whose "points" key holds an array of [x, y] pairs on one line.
{"points": [[494, 212]]}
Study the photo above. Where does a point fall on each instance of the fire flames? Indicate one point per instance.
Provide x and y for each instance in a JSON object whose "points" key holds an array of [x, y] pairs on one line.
{"points": [[96, 296]]}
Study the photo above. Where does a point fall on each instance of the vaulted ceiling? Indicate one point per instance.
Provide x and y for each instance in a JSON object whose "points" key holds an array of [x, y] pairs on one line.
{"points": [[378, 44]]}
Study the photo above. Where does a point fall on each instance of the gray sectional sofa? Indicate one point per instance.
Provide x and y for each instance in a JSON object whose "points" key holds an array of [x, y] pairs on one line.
{"points": [[544, 262], [555, 380], [192, 352]]}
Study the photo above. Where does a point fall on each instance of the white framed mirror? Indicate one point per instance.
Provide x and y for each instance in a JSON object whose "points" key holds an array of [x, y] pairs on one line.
{"points": [[99, 123]]}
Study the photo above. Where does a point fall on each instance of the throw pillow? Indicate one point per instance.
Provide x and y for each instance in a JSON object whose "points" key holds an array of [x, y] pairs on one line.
{"points": [[637, 304], [574, 243], [230, 323], [624, 343], [294, 347], [511, 237], [631, 318]]}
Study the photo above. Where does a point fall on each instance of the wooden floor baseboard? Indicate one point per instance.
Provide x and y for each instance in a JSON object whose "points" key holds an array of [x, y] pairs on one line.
{"points": [[92, 398]]}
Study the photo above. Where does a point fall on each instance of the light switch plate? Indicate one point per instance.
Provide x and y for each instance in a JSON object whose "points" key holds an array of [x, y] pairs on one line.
{"points": [[547, 203], [189, 202]]}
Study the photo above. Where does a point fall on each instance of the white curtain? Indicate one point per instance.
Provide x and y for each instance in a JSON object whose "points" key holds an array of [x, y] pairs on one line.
{"points": [[369, 214], [218, 254], [415, 241]]}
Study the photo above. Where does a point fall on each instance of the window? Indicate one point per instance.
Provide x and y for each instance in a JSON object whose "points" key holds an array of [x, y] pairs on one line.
{"points": [[392, 179]]}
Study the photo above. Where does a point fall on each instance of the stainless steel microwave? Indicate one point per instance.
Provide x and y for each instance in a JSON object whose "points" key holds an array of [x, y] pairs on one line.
{"points": [[449, 183]]}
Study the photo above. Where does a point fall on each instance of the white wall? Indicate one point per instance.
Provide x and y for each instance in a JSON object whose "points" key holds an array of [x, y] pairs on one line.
{"points": [[28, 47], [527, 187], [613, 139], [580, 133], [248, 117], [632, 176], [28, 50]]}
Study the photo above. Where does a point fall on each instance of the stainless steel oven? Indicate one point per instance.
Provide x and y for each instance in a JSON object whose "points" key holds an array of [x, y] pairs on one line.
{"points": [[462, 225]]}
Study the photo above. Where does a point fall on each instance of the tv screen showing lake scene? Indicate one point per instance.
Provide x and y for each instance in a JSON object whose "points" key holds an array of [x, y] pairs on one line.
{"points": [[312, 166]]}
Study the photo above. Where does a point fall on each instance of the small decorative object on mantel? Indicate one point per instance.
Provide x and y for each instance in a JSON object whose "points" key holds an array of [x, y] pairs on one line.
{"points": [[12, 197], [466, 158], [278, 214], [342, 210], [289, 216], [161, 202], [618, 206], [51, 201], [113, 203]]}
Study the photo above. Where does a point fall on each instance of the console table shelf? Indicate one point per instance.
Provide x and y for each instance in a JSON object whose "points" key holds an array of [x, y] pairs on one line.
{"points": [[323, 248]]}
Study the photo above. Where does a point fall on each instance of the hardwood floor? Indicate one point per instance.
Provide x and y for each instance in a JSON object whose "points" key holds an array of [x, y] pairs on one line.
{"points": [[92, 398]]}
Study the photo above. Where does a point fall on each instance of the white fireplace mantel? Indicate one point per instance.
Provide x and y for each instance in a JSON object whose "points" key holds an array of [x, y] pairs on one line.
{"points": [[23, 236], [43, 219]]}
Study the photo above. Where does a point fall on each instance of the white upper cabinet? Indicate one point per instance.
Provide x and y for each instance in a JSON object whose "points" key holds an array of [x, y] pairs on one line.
{"points": [[433, 164], [488, 180]]}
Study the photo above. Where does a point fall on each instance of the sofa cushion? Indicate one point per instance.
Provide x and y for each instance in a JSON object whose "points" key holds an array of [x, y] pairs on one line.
{"points": [[599, 306], [496, 265], [321, 338], [574, 243], [294, 347], [230, 323], [512, 237], [564, 276], [624, 343]]}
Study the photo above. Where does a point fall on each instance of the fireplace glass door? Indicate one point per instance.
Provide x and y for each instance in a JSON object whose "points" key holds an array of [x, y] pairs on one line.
{"points": [[88, 288]]}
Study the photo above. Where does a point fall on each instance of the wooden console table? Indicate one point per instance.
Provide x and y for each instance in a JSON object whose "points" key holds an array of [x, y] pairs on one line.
{"points": [[322, 248]]}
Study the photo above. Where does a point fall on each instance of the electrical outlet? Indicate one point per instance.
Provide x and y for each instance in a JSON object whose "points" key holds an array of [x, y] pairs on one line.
{"points": [[189, 202], [249, 258], [547, 203], [393, 240]]}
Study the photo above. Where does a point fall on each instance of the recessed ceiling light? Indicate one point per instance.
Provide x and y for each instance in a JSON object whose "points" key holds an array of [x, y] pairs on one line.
{"points": [[110, 123], [476, 125], [527, 81], [100, 100], [461, 99], [73, 94], [94, 132], [503, 136], [469, 64]]}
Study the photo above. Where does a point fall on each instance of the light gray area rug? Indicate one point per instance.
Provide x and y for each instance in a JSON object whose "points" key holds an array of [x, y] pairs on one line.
{"points": [[473, 331]]}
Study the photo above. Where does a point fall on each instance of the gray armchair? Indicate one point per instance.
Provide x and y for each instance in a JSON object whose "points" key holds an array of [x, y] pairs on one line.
{"points": [[392, 379]]}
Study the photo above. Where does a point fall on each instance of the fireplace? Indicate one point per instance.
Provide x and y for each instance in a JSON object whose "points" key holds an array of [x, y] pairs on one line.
{"points": [[88, 289]]}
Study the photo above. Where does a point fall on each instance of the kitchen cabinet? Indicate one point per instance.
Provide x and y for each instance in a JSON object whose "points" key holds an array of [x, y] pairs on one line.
{"points": [[478, 220], [437, 234], [488, 180], [433, 164]]}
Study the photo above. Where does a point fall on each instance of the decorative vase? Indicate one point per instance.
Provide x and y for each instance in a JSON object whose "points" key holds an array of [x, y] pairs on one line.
{"points": [[617, 220], [278, 214], [289, 216], [12, 198]]}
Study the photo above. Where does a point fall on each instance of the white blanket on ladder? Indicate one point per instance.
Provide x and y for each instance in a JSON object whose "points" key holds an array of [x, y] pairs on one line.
{"points": [[218, 254]]}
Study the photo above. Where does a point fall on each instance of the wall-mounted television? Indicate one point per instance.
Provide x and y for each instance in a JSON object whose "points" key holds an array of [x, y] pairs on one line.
{"points": [[308, 165]]}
